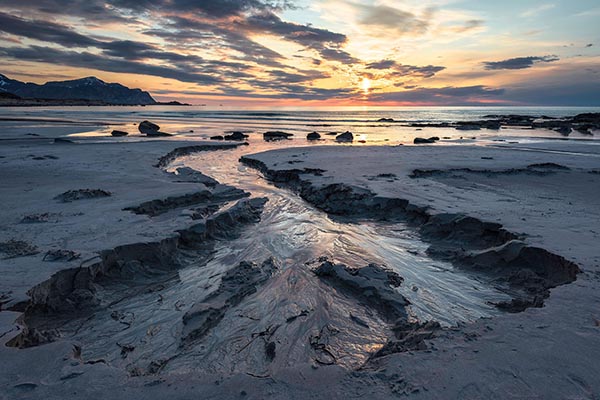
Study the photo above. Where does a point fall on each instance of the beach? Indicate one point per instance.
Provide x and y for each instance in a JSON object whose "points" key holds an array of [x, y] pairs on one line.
{"points": [[172, 266]]}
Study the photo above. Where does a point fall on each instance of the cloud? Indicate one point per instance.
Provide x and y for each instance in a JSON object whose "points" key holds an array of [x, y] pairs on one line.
{"points": [[45, 31], [99, 62], [468, 26], [426, 71], [519, 62], [393, 19], [449, 95]]}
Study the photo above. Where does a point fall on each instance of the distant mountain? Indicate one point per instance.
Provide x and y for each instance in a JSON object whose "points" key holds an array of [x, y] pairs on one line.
{"points": [[90, 89]]}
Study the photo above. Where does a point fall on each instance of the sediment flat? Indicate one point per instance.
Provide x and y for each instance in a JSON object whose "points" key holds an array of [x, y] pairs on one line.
{"points": [[75, 201]]}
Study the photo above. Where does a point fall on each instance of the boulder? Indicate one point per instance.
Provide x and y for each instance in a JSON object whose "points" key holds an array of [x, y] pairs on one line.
{"points": [[218, 137], [276, 135], [564, 130], [313, 136], [385, 120], [424, 141], [119, 133], [345, 137], [148, 127], [236, 136]]}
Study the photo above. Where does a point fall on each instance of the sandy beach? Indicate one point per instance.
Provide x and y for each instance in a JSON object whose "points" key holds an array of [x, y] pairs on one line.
{"points": [[165, 267]]}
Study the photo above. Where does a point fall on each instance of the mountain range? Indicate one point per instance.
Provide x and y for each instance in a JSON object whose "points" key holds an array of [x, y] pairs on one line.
{"points": [[90, 90]]}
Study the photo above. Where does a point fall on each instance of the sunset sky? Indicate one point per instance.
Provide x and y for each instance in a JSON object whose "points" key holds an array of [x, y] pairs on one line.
{"points": [[314, 53]]}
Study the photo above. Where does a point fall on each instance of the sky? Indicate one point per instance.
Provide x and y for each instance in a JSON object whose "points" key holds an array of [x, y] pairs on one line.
{"points": [[314, 53]]}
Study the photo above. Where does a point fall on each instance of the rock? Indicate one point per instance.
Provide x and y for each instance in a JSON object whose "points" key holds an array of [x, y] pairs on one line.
{"points": [[63, 140], [81, 194], [17, 248], [235, 136], [385, 120], [468, 127], [313, 136], [148, 128], [276, 135], [345, 137], [119, 133], [564, 130], [423, 140], [61, 255], [217, 137]]}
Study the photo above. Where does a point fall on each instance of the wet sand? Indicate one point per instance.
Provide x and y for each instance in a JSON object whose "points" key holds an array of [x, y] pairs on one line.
{"points": [[296, 330]]}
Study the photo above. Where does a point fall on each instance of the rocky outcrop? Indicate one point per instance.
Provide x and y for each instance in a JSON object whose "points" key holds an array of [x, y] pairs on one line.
{"points": [[82, 194], [237, 284], [165, 160], [156, 207], [276, 135], [371, 284], [236, 136], [313, 136], [151, 130], [426, 141], [345, 137], [77, 292], [457, 238]]}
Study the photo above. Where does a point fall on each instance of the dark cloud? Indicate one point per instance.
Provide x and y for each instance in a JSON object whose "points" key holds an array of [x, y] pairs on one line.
{"points": [[305, 35], [335, 54], [45, 31], [393, 19], [519, 62], [99, 62], [383, 64], [396, 69], [442, 96]]}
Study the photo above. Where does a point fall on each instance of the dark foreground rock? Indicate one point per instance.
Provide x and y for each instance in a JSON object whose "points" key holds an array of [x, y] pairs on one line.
{"points": [[238, 283], [236, 136], [82, 194], [117, 133], [313, 136], [276, 135], [426, 141], [345, 137], [17, 248]]}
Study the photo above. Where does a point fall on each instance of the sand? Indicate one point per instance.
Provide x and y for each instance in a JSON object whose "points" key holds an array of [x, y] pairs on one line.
{"points": [[547, 352]]}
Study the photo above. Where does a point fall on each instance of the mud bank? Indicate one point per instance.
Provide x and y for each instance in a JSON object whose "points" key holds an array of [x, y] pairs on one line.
{"points": [[524, 272], [80, 292]]}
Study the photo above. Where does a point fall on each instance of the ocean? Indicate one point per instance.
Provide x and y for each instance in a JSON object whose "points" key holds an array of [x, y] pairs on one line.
{"points": [[196, 122]]}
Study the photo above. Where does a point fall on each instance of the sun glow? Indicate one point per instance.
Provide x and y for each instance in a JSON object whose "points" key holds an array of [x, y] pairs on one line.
{"points": [[366, 85]]}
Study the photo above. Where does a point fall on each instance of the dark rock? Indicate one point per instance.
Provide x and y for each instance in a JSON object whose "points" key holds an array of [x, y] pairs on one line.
{"points": [[61, 255], [423, 141], [119, 133], [17, 248], [148, 128], [63, 140], [217, 137], [468, 127], [313, 136], [564, 130], [276, 135], [237, 284], [81, 194], [385, 120], [239, 136], [345, 137]]}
